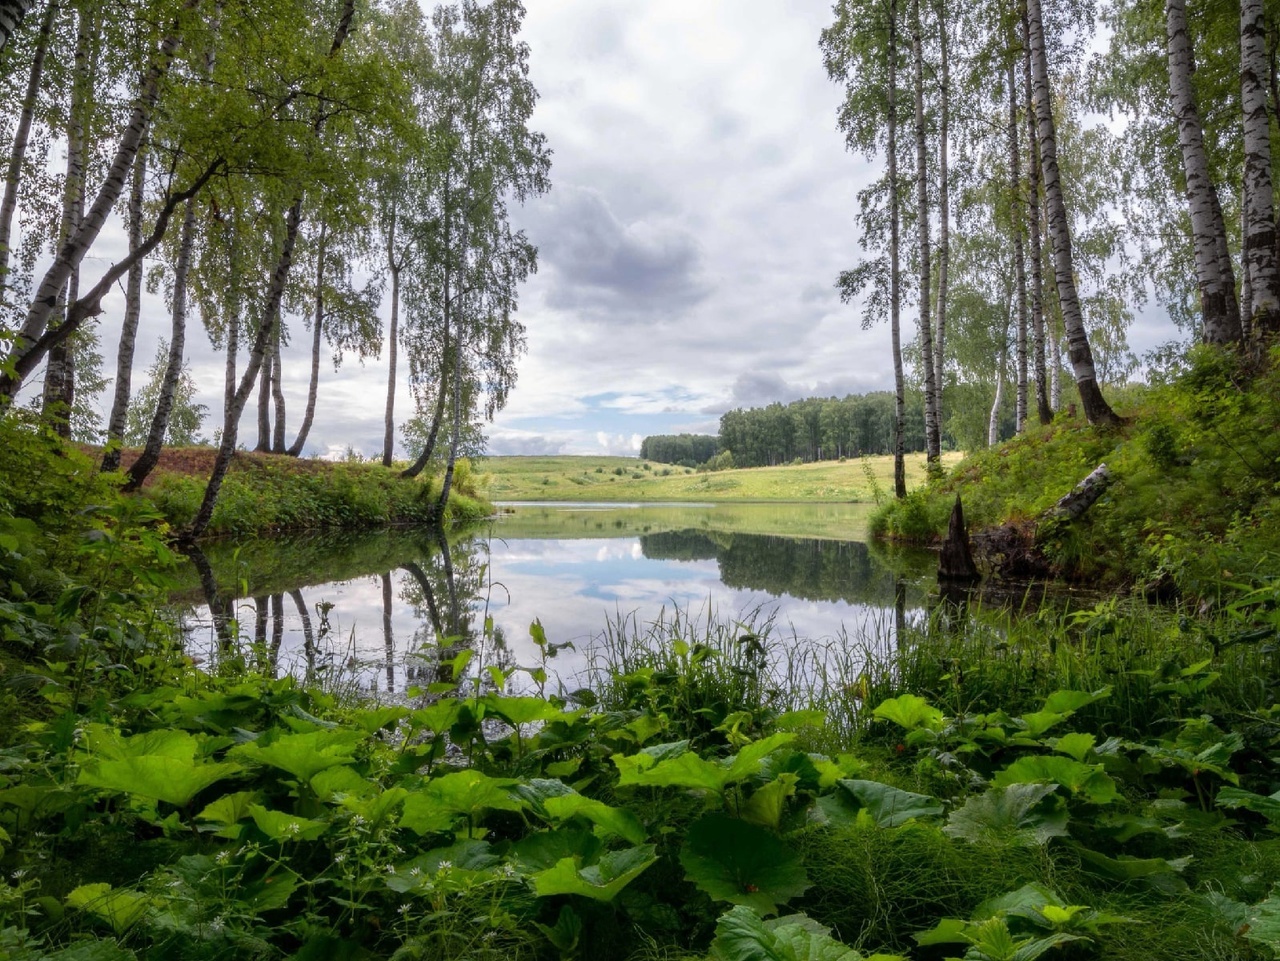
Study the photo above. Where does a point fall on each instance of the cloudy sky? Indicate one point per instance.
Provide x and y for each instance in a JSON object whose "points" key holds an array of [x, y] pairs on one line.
{"points": [[702, 207]]}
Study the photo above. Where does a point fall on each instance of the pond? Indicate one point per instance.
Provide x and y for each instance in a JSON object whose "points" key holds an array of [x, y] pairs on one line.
{"points": [[367, 610]]}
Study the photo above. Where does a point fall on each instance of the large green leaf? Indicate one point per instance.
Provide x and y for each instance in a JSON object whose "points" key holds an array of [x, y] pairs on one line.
{"points": [[1087, 780], [1020, 814], [543, 850], [1267, 806], [742, 863], [601, 881], [303, 755], [1263, 922], [688, 770], [120, 908], [769, 803], [609, 820], [160, 777], [883, 805], [280, 826], [441, 801], [742, 935], [910, 711], [1067, 702]]}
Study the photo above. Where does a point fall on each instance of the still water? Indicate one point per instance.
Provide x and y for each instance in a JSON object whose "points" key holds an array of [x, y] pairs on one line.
{"points": [[369, 608]]}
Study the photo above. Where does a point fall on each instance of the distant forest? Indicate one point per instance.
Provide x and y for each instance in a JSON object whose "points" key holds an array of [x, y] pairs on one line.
{"points": [[806, 430]]}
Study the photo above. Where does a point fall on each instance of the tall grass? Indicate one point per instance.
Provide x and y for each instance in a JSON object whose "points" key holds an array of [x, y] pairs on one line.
{"points": [[1160, 664]]}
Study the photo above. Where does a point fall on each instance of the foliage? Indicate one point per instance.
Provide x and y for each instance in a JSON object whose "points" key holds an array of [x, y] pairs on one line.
{"points": [[185, 417]]}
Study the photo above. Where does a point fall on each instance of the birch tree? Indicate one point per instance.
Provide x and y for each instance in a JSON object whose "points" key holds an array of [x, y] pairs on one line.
{"points": [[1219, 308]]}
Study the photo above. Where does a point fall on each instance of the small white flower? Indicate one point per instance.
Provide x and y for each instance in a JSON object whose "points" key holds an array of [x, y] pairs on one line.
{"points": [[445, 865], [223, 856], [19, 874], [508, 871], [339, 857], [404, 908], [415, 871], [357, 819], [390, 869], [294, 828], [216, 924]]}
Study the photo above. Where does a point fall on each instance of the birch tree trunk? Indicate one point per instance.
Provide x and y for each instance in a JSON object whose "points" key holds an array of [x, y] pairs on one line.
{"points": [[277, 394], [993, 419], [389, 416], [177, 347], [1216, 278], [1019, 259], [944, 212], [129, 325], [263, 445], [59, 376], [1096, 408], [26, 351], [1261, 270], [22, 137], [1043, 409], [933, 446], [895, 282], [317, 329], [11, 14]]}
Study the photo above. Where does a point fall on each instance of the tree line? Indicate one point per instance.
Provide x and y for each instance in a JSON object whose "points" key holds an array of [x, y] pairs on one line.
{"points": [[1024, 233], [278, 166], [808, 430]]}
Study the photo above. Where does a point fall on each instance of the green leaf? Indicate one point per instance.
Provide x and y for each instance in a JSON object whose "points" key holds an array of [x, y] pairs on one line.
{"points": [[228, 811], [910, 711], [521, 710], [120, 908], [437, 805], [162, 778], [280, 826], [542, 850], [886, 806], [1020, 814], [371, 722], [741, 863], [564, 934], [768, 804], [741, 935], [1126, 868], [1268, 807], [688, 770], [1068, 702], [1088, 780], [601, 881], [1075, 745], [303, 755], [1263, 922], [609, 820]]}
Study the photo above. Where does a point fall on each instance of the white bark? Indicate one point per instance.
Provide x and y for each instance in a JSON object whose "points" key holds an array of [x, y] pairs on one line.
{"points": [[1096, 409], [1019, 260], [1216, 279], [933, 447], [1262, 273]]}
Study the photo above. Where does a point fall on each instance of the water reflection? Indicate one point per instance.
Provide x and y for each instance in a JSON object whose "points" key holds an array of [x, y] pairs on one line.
{"points": [[391, 610]]}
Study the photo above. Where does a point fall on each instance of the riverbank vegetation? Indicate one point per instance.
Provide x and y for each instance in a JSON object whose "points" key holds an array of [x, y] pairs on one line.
{"points": [[1193, 505]]}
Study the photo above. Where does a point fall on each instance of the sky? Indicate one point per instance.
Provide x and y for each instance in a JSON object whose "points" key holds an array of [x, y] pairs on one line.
{"points": [[702, 205]]}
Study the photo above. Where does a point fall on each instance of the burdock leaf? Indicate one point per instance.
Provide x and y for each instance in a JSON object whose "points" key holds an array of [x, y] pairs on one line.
{"points": [[741, 863]]}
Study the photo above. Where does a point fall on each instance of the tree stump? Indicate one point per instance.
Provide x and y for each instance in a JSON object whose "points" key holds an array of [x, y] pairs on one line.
{"points": [[955, 562]]}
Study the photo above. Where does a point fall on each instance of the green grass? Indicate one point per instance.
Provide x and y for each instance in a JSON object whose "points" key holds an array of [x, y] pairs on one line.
{"points": [[614, 479]]}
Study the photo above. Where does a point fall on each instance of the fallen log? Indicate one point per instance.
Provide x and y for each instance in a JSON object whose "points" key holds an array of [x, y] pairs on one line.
{"points": [[1073, 505]]}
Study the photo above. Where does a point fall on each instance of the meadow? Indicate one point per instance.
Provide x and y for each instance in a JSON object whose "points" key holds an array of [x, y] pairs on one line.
{"points": [[613, 479]]}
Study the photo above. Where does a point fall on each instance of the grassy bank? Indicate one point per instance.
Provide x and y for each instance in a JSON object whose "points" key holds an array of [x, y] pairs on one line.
{"points": [[613, 479], [272, 493], [1196, 497]]}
